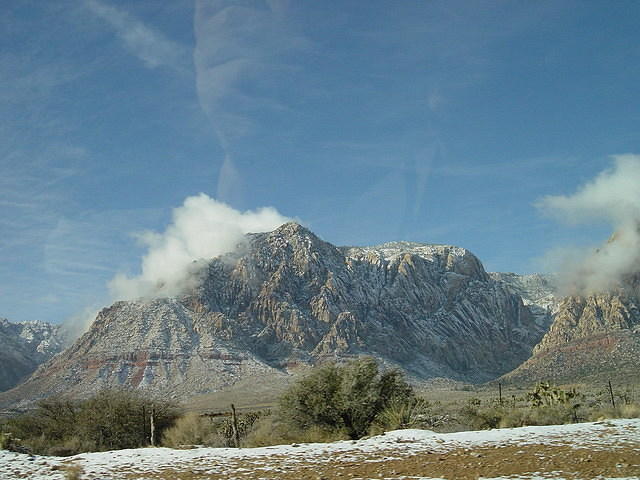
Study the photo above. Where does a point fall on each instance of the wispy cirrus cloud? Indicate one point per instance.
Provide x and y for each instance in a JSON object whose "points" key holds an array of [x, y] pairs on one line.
{"points": [[240, 58], [33, 190], [150, 45]]}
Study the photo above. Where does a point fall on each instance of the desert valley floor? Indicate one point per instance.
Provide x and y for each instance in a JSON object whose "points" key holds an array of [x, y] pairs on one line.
{"points": [[600, 450]]}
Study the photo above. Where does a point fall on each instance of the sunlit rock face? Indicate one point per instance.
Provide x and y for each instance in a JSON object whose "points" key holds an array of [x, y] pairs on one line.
{"points": [[289, 299], [24, 346], [594, 336]]}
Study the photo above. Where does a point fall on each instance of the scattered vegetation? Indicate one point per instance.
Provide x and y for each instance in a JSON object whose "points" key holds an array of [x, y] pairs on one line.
{"points": [[113, 419], [546, 404], [212, 431], [333, 402]]}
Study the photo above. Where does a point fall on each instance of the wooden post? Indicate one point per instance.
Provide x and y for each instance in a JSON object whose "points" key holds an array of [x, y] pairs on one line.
{"points": [[500, 392], [144, 426], [234, 424], [613, 401], [153, 426]]}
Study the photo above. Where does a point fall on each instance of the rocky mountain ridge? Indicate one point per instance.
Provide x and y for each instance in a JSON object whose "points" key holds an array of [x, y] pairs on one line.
{"points": [[592, 338], [290, 299], [24, 346]]}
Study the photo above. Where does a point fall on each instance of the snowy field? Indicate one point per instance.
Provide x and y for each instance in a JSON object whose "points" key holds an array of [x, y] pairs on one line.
{"points": [[607, 449]]}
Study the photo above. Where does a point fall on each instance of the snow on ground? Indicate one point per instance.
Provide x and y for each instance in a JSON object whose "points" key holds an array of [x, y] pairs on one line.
{"points": [[142, 463]]}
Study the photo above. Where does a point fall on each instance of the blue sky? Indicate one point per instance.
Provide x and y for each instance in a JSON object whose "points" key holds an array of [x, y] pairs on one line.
{"points": [[431, 121]]}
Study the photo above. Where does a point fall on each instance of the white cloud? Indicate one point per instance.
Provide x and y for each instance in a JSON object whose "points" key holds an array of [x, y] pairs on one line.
{"points": [[613, 196], [202, 228], [146, 43]]}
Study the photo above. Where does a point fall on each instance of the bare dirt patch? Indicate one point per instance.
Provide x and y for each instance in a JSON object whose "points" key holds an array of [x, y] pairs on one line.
{"points": [[508, 461]]}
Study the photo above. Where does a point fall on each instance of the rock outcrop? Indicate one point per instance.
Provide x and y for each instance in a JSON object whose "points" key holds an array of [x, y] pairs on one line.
{"points": [[288, 299], [592, 338], [24, 346]]}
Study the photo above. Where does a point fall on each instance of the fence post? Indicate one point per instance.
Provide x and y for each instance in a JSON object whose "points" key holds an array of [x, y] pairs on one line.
{"points": [[153, 426], [144, 426], [500, 392], [234, 423], [613, 402]]}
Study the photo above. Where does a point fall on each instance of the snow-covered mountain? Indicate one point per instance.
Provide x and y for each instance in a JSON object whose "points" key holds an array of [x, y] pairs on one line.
{"points": [[24, 346], [538, 292], [291, 299]]}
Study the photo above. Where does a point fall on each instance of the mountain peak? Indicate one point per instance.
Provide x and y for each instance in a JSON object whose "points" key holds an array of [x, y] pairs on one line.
{"points": [[294, 230], [290, 298]]}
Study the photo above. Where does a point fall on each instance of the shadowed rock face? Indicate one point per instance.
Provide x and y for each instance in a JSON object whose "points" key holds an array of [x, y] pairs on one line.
{"points": [[24, 346], [290, 299]]}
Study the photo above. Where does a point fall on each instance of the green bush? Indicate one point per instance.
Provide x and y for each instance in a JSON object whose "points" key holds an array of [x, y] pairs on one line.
{"points": [[343, 397]]}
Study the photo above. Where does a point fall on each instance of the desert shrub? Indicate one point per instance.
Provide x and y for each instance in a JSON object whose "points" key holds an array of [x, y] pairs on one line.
{"points": [[196, 429], [269, 430], [272, 430], [73, 471], [406, 413], [9, 442], [544, 415], [545, 404], [621, 411], [545, 394], [112, 419], [246, 421], [343, 397], [53, 419], [479, 417], [193, 429], [116, 419]]}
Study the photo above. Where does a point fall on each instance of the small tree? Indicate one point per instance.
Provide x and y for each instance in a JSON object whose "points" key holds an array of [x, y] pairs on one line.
{"points": [[347, 397]]}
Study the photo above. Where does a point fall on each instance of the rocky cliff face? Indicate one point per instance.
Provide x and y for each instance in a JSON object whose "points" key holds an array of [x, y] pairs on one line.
{"points": [[291, 299], [592, 338], [24, 346], [536, 289]]}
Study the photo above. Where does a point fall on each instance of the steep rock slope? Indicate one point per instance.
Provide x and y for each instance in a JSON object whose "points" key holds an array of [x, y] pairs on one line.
{"points": [[592, 338], [287, 298], [536, 290], [24, 346]]}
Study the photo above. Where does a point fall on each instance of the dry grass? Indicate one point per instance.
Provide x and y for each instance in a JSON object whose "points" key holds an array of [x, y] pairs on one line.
{"points": [[73, 471], [246, 395]]}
